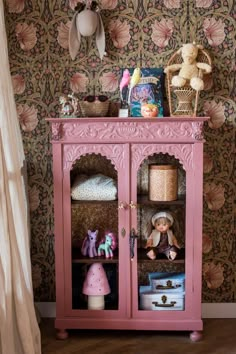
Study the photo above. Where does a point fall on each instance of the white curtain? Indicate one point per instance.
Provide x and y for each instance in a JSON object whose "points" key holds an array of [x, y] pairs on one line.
{"points": [[19, 332]]}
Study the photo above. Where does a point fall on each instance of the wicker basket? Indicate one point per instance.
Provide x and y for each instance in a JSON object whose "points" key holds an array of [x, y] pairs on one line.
{"points": [[94, 109], [163, 182]]}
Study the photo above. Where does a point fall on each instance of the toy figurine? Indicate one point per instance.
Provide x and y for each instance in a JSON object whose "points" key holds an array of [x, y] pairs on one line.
{"points": [[190, 68], [107, 245], [162, 240], [89, 244], [69, 105]]}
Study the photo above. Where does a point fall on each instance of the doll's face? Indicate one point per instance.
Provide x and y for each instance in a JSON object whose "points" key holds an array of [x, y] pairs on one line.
{"points": [[162, 225]]}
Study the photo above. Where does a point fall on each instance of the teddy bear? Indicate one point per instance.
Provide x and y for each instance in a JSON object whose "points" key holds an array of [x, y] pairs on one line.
{"points": [[190, 71]]}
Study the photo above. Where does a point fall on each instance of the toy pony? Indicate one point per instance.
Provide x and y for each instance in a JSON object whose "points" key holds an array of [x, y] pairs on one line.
{"points": [[89, 244], [107, 245]]}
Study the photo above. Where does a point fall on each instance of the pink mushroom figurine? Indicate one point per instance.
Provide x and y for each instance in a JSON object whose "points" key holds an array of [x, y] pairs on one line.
{"points": [[96, 286]]}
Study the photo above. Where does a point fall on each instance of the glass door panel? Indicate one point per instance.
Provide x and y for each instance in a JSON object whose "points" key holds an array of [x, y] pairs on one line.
{"points": [[94, 232], [161, 234]]}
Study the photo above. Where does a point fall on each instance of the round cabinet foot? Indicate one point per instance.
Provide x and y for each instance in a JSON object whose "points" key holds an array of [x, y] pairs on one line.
{"points": [[62, 334], [195, 336]]}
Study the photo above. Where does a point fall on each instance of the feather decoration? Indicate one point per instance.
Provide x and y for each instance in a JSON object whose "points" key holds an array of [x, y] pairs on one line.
{"points": [[134, 81], [124, 82]]}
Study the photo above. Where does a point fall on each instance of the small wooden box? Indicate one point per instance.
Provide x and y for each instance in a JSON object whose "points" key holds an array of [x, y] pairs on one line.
{"points": [[153, 301], [163, 182]]}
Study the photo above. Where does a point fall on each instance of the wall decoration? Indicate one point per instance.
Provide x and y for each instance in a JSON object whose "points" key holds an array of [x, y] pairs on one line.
{"points": [[86, 21]]}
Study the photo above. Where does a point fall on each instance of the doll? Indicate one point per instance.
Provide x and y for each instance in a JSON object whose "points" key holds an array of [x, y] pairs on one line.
{"points": [[162, 240]]}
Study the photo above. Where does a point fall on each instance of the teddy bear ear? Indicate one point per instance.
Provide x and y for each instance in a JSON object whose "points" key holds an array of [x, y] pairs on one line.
{"points": [[199, 46]]}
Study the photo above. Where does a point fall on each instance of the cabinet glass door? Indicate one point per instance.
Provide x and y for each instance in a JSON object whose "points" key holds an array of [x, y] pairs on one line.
{"points": [[159, 225], [92, 244], [94, 222]]}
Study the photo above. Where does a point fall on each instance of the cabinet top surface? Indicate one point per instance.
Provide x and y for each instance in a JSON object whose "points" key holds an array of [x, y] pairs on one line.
{"points": [[126, 120]]}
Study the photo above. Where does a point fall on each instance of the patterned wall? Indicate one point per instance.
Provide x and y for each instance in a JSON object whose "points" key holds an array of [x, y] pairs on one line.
{"points": [[138, 32]]}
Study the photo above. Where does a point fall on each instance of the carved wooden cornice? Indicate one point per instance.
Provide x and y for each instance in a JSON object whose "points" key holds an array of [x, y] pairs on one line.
{"points": [[116, 153], [183, 152], [127, 130]]}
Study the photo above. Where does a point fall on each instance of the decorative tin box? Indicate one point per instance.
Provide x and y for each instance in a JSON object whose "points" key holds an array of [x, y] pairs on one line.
{"points": [[163, 182], [167, 282], [151, 301]]}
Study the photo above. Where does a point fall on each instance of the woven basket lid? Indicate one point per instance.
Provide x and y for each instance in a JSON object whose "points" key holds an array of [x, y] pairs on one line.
{"points": [[162, 167]]}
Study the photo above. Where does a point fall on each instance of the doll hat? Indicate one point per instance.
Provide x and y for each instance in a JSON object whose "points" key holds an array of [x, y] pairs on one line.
{"points": [[162, 214]]}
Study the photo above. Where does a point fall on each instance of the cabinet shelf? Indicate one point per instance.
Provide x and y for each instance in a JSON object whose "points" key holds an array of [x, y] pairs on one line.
{"points": [[142, 257], [159, 260], [144, 200], [94, 260], [77, 257], [78, 203]]}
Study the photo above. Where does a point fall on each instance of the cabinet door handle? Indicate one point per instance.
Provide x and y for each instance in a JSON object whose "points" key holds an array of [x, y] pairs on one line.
{"points": [[132, 238], [122, 205], [133, 205]]}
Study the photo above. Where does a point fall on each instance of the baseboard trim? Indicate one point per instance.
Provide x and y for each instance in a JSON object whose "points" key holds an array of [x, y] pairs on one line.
{"points": [[216, 310], [219, 310]]}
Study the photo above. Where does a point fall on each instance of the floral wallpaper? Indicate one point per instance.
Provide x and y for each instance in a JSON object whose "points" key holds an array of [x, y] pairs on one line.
{"points": [[138, 32]]}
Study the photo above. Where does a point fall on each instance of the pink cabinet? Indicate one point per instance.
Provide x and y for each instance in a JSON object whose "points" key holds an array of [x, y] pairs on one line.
{"points": [[145, 294]]}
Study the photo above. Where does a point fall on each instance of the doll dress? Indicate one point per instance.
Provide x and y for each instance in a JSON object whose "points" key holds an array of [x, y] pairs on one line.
{"points": [[163, 246]]}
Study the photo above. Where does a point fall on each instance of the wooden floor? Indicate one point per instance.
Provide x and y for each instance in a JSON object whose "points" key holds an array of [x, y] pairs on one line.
{"points": [[219, 338]]}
